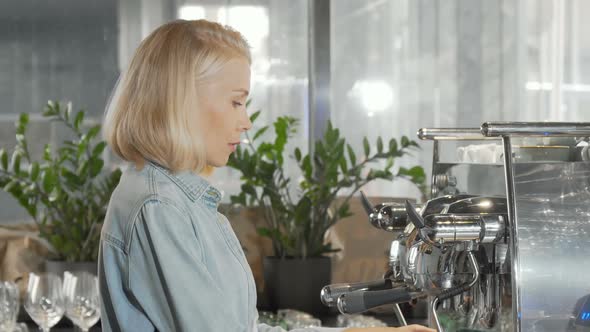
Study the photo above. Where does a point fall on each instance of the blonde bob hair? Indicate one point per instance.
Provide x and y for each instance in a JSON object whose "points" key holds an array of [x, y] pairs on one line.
{"points": [[153, 111]]}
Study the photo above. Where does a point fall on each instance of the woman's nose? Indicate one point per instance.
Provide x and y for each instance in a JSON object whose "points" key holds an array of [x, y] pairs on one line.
{"points": [[246, 123]]}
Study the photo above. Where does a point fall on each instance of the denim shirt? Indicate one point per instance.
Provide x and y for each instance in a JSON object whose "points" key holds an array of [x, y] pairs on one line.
{"points": [[169, 261]]}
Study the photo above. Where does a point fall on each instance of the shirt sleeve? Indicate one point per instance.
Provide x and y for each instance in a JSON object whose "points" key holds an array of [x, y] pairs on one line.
{"points": [[168, 279], [118, 314]]}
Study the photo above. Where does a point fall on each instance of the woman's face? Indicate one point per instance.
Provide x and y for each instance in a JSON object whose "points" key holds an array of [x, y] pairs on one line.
{"points": [[223, 102]]}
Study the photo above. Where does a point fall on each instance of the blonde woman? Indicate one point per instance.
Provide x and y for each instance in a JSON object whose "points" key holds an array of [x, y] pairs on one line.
{"points": [[168, 260]]}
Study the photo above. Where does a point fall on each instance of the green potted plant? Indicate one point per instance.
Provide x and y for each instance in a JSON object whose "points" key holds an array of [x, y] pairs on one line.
{"points": [[66, 192], [297, 215]]}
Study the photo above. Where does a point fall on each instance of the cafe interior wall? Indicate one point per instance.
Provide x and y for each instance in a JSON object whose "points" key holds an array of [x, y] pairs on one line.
{"points": [[401, 65], [396, 66]]}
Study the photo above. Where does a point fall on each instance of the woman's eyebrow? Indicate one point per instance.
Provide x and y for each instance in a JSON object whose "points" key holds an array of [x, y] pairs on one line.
{"points": [[242, 91]]}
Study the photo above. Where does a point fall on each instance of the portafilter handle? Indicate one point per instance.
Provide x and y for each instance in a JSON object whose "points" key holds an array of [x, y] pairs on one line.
{"points": [[330, 294], [359, 301]]}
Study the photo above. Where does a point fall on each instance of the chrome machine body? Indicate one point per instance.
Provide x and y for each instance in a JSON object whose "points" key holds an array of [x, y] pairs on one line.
{"points": [[505, 250]]}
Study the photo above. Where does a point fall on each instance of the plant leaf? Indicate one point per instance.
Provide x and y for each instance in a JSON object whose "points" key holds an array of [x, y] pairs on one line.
{"points": [[249, 189], [92, 132], [342, 166], [49, 109], [21, 124], [389, 163], [303, 210], [297, 154], [307, 168], [56, 242], [47, 152], [254, 115], [49, 179], [10, 185], [98, 149], [259, 132], [20, 138], [366, 147], [238, 199], [4, 159], [54, 195], [405, 141], [71, 178], [34, 171], [67, 112], [392, 146], [416, 174], [82, 169], [351, 155], [78, 120], [95, 166], [379, 145], [81, 148], [263, 231], [15, 161]]}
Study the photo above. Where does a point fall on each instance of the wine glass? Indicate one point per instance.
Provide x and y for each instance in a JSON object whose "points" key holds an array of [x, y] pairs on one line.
{"points": [[82, 299], [44, 300], [20, 327], [9, 304]]}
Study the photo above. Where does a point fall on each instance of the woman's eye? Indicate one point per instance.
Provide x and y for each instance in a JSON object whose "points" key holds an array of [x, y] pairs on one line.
{"points": [[237, 104]]}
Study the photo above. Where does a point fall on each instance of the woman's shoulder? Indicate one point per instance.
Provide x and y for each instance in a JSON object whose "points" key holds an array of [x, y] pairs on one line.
{"points": [[138, 186], [185, 193], [136, 189]]}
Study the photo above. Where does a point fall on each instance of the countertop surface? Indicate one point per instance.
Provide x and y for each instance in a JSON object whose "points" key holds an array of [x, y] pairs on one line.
{"points": [[330, 320]]}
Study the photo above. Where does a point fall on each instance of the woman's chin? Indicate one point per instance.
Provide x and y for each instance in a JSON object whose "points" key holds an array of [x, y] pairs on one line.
{"points": [[218, 163]]}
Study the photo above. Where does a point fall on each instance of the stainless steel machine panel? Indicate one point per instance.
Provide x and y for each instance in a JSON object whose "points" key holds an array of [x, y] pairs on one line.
{"points": [[553, 241]]}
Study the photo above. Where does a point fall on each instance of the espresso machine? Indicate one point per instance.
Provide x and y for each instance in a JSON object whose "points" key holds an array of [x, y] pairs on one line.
{"points": [[504, 242]]}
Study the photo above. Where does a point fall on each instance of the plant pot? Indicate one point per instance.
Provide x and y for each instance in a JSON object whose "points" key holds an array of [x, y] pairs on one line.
{"points": [[295, 283], [59, 267]]}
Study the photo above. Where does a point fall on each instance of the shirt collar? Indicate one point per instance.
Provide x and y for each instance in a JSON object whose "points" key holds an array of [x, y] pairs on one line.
{"points": [[192, 184]]}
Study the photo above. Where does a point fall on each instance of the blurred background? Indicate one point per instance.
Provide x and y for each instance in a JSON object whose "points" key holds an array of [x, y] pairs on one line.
{"points": [[387, 67]]}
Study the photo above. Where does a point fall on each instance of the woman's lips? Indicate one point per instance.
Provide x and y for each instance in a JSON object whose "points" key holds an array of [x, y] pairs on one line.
{"points": [[233, 146]]}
